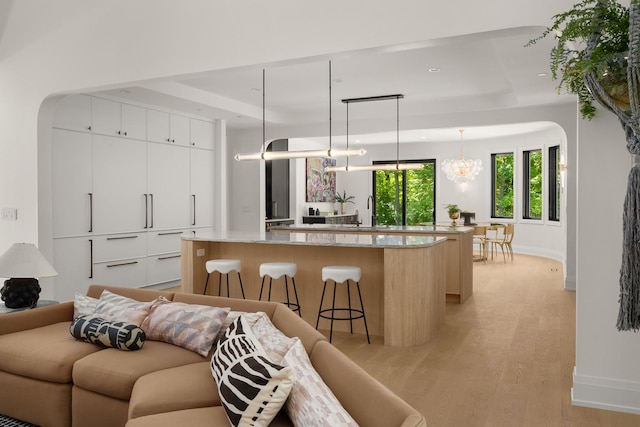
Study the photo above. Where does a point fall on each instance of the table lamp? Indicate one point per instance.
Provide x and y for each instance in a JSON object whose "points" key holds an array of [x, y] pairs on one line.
{"points": [[23, 262]]}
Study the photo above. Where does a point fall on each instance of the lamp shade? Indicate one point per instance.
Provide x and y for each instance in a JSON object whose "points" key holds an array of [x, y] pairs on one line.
{"points": [[24, 260]]}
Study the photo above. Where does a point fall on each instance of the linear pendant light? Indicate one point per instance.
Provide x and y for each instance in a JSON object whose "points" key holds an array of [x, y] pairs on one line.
{"points": [[397, 166], [274, 155]]}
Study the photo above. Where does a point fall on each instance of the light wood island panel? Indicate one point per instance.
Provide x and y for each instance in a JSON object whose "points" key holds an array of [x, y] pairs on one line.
{"points": [[402, 286]]}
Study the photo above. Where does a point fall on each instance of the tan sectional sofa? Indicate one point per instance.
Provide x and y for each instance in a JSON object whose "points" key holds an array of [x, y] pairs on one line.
{"points": [[50, 379]]}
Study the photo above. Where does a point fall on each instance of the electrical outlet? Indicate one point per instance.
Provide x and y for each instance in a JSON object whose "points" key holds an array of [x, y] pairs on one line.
{"points": [[200, 252], [9, 214]]}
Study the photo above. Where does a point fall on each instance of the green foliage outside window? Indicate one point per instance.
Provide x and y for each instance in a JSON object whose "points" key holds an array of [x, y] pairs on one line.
{"points": [[418, 201], [534, 179], [502, 170]]}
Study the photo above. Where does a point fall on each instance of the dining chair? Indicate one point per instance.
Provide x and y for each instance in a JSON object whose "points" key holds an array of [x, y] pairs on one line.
{"points": [[503, 240], [480, 239]]}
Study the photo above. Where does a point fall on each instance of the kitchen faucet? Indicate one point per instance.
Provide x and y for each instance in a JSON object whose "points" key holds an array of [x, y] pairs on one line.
{"points": [[371, 204], [372, 200]]}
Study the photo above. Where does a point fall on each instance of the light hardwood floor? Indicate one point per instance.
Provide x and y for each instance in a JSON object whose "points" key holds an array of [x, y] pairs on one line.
{"points": [[504, 358]]}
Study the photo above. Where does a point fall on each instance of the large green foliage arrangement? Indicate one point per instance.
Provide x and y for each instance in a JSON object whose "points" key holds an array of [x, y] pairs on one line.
{"points": [[569, 63]]}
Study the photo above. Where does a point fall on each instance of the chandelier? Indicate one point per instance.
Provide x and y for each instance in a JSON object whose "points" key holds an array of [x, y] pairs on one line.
{"points": [[461, 170]]}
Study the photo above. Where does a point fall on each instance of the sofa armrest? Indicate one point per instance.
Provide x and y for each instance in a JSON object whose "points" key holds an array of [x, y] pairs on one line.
{"points": [[36, 318], [367, 400]]}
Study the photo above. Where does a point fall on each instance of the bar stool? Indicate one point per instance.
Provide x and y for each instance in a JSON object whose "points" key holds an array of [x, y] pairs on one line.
{"points": [[341, 274], [275, 270], [223, 266]]}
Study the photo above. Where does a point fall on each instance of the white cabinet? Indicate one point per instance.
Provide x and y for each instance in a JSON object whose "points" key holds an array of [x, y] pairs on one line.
{"points": [[116, 119], [158, 126], [71, 159], [73, 112], [120, 200], [124, 191], [168, 186], [202, 202], [179, 129], [202, 134], [72, 261]]}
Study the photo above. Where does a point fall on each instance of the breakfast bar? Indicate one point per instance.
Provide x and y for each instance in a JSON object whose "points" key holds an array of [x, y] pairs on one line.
{"points": [[403, 278]]}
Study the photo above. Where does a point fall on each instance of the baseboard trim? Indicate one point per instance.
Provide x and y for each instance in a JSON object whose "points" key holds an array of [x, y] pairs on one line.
{"points": [[605, 393], [570, 284]]}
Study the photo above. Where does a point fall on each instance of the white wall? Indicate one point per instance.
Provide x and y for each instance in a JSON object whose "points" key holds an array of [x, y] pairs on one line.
{"points": [[606, 373]]}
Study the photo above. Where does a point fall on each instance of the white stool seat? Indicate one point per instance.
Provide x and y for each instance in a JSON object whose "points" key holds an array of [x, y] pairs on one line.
{"points": [[275, 270], [223, 266], [341, 273]]}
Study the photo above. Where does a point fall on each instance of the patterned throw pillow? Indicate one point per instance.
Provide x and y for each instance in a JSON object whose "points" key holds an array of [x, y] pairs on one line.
{"points": [[252, 389], [311, 402], [275, 343], [120, 335], [250, 317], [83, 305], [118, 308], [190, 326]]}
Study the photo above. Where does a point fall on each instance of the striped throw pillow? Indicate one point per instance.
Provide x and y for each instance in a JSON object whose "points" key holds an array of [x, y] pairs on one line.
{"points": [[252, 389]]}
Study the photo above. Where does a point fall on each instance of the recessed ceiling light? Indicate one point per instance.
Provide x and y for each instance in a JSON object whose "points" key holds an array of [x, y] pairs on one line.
{"points": [[238, 117], [198, 109], [256, 89], [125, 91], [542, 74], [434, 70], [337, 80]]}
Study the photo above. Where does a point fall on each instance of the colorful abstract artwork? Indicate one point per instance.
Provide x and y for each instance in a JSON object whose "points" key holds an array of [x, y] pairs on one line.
{"points": [[321, 185]]}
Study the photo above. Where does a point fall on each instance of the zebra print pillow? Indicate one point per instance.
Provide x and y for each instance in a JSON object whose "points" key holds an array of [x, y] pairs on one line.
{"points": [[252, 389], [96, 330]]}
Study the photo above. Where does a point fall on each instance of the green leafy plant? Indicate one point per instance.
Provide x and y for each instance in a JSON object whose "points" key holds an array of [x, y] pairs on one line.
{"points": [[452, 209], [568, 62], [343, 198]]}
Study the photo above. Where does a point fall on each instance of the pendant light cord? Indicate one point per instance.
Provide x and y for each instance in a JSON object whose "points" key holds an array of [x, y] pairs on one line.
{"points": [[264, 137], [330, 109]]}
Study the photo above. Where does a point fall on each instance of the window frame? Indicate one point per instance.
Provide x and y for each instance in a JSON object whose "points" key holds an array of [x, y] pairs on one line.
{"points": [[554, 184], [493, 185]]}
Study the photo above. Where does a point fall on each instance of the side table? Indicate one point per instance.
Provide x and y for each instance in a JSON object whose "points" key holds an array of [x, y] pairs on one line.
{"points": [[41, 303]]}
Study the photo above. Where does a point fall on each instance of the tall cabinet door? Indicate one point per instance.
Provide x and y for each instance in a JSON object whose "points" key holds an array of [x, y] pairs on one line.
{"points": [[168, 186], [72, 259], [202, 188], [72, 182], [120, 199]]}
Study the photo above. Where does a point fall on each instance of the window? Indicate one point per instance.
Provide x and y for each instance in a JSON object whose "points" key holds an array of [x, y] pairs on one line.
{"points": [[532, 184], [405, 197], [502, 185], [554, 183]]}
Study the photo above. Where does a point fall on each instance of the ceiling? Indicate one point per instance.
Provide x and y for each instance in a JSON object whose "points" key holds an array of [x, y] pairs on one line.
{"points": [[477, 72]]}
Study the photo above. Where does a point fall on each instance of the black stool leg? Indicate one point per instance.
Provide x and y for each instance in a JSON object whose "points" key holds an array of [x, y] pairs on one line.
{"points": [[228, 294], [261, 287], [324, 288], [219, 284], [270, 282], [241, 287], [286, 289], [206, 283], [349, 299], [333, 311], [295, 292], [363, 316]]}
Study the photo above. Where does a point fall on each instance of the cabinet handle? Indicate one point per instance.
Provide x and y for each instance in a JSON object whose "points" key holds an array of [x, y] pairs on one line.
{"points": [[122, 237], [90, 212], [122, 133], [89, 128], [170, 233], [193, 197], [168, 257], [173, 140], [168, 139], [90, 258], [122, 264], [125, 133], [151, 195], [146, 210]]}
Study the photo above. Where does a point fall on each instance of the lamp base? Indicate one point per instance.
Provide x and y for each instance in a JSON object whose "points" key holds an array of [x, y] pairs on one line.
{"points": [[19, 293]]}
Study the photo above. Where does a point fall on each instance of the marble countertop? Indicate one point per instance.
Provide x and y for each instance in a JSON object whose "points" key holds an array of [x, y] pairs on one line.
{"points": [[378, 229], [320, 239]]}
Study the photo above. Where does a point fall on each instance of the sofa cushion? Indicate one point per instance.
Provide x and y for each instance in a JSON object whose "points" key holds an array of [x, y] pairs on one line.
{"points": [[275, 343], [191, 326], [311, 402], [200, 417], [83, 305], [117, 307], [252, 389], [96, 330], [46, 353], [173, 389], [113, 373]]}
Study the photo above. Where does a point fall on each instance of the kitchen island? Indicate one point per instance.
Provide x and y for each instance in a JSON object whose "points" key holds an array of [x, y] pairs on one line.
{"points": [[402, 276], [458, 249]]}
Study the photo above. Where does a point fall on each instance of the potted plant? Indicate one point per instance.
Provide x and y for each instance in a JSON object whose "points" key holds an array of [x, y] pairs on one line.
{"points": [[578, 53], [454, 212], [342, 199]]}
